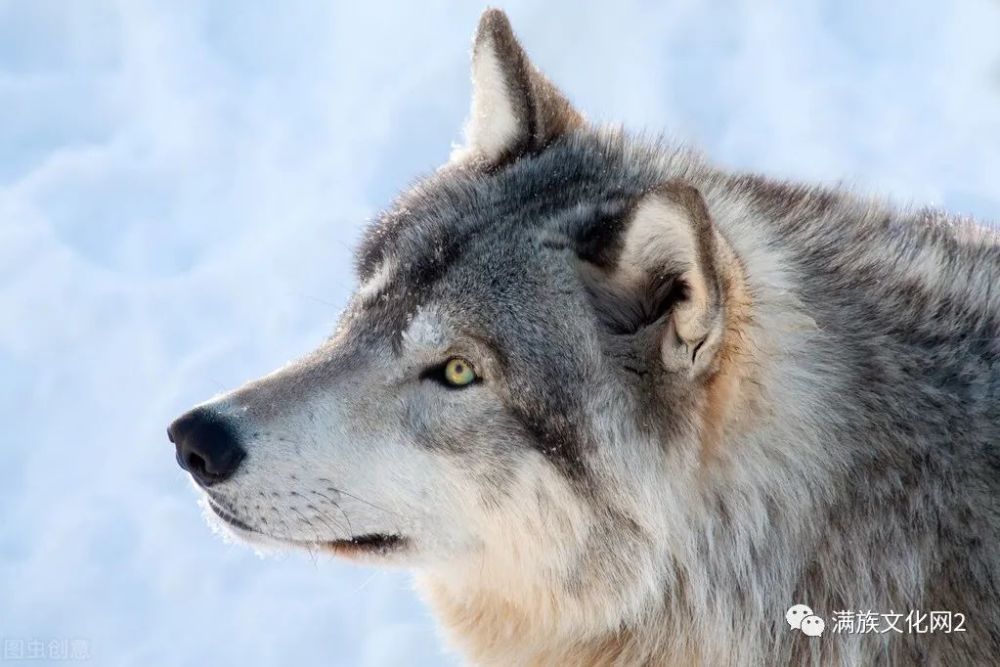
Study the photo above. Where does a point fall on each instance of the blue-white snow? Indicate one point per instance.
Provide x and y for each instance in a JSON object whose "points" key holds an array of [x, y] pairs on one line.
{"points": [[180, 187]]}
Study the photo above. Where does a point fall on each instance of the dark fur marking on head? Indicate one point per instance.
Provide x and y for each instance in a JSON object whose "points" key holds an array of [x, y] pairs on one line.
{"points": [[557, 439], [598, 238]]}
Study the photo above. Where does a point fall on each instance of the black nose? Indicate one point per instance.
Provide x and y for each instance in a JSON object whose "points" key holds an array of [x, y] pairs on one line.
{"points": [[207, 446]]}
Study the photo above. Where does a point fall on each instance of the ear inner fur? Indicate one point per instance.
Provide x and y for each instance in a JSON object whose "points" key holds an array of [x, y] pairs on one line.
{"points": [[709, 321], [515, 108], [670, 233]]}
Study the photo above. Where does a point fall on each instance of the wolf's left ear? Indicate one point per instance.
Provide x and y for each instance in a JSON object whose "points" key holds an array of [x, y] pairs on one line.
{"points": [[515, 109], [674, 270]]}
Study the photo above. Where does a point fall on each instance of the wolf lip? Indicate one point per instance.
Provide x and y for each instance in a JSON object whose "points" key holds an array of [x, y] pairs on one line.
{"points": [[372, 543], [223, 513]]}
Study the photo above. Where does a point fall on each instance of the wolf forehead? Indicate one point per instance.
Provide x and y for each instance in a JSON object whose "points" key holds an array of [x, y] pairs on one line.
{"points": [[577, 193]]}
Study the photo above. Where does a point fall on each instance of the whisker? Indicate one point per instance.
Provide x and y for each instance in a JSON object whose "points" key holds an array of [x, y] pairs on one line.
{"points": [[331, 487], [333, 502]]}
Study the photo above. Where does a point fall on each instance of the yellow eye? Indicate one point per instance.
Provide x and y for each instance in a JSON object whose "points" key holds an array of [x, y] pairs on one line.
{"points": [[458, 372]]}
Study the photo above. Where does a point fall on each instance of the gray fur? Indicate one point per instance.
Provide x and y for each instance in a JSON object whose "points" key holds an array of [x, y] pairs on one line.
{"points": [[857, 464]]}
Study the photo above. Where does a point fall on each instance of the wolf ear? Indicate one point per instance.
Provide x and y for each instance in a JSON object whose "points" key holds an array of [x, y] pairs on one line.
{"points": [[673, 257], [515, 109]]}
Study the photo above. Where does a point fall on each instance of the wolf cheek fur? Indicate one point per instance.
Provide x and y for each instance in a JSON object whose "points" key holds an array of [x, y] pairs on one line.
{"points": [[700, 398]]}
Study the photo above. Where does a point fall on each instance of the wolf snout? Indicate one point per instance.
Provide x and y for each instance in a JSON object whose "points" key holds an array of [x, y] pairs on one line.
{"points": [[207, 446]]}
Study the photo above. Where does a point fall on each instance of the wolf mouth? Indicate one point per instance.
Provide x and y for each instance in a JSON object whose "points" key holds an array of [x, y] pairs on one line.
{"points": [[226, 515], [374, 543], [370, 543]]}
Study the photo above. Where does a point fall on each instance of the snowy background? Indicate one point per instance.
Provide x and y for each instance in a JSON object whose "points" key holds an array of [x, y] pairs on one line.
{"points": [[180, 188]]}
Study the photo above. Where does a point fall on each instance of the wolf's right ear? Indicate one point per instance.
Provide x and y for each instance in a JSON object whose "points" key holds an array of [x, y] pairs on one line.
{"points": [[515, 109]]}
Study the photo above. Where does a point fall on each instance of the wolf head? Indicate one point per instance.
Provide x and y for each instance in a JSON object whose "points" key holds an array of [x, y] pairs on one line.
{"points": [[528, 363]]}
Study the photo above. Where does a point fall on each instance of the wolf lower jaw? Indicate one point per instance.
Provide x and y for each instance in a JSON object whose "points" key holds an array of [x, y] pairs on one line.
{"points": [[368, 546]]}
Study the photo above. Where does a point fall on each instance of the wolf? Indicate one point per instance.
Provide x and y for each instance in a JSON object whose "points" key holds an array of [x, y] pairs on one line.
{"points": [[614, 405]]}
